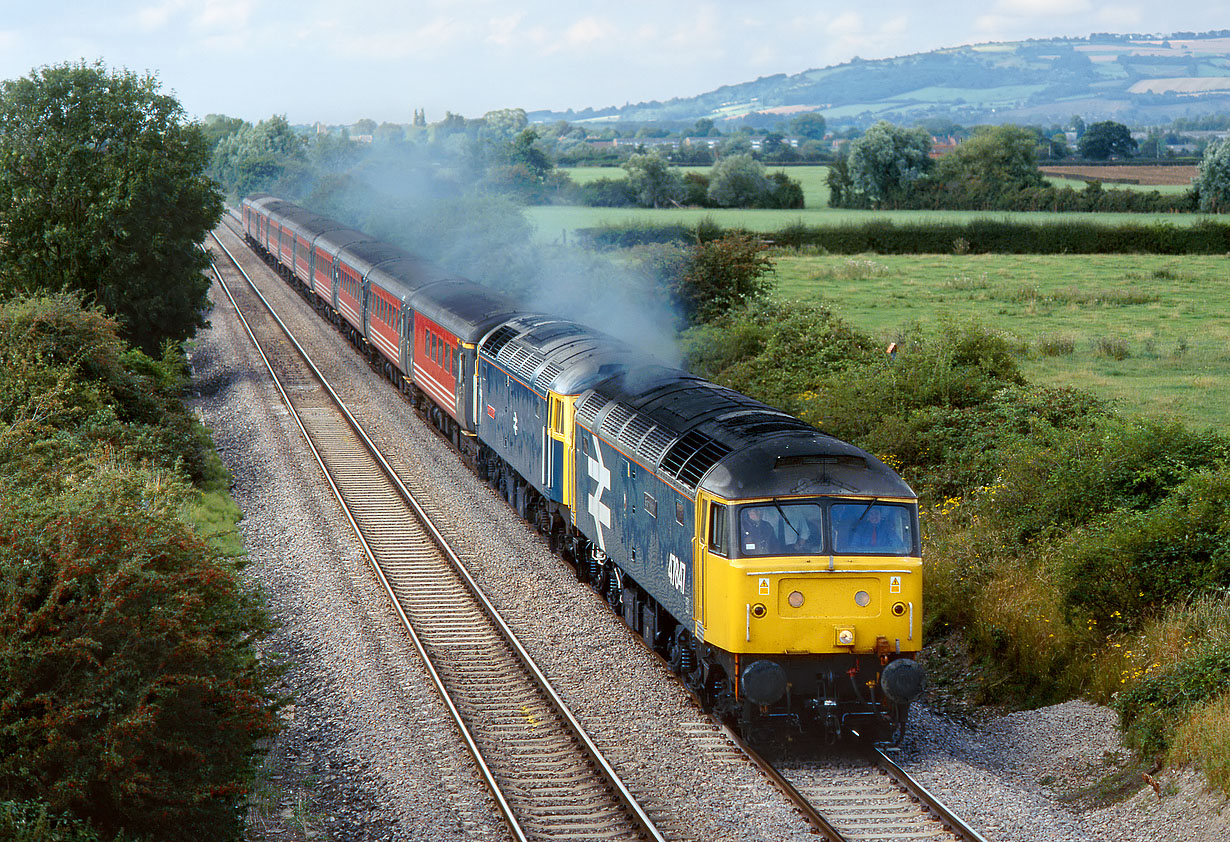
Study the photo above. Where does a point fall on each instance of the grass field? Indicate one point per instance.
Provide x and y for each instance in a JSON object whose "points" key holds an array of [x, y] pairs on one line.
{"points": [[1146, 331]]}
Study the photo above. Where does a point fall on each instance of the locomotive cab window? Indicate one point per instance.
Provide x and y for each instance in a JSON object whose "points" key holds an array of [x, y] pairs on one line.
{"points": [[719, 541], [781, 529], [873, 528]]}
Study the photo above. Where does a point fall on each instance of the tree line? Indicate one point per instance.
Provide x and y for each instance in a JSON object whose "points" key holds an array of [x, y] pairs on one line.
{"points": [[997, 169]]}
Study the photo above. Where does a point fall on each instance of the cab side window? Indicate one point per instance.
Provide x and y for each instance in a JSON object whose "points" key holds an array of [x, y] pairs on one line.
{"points": [[719, 541]]}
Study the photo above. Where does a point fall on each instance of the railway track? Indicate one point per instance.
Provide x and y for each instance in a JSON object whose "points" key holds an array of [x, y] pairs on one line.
{"points": [[546, 777], [856, 798], [859, 793]]}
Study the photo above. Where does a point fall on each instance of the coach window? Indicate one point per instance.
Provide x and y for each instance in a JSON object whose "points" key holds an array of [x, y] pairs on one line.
{"points": [[718, 541]]}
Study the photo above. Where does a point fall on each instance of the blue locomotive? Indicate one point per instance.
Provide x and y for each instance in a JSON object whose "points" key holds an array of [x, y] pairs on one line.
{"points": [[776, 568]]}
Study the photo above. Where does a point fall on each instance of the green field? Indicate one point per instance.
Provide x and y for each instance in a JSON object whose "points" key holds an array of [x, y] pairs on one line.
{"points": [[1149, 332]]}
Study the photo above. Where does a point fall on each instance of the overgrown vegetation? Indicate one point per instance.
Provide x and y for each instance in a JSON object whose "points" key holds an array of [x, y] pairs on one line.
{"points": [[131, 697]]}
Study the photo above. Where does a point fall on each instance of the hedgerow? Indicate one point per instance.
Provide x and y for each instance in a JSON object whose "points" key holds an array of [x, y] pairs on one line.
{"points": [[978, 236]]}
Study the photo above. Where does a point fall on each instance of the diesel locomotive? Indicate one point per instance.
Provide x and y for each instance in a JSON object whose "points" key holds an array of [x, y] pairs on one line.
{"points": [[776, 568]]}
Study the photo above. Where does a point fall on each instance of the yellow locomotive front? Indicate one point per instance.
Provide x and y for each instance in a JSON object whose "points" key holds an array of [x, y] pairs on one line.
{"points": [[810, 605]]}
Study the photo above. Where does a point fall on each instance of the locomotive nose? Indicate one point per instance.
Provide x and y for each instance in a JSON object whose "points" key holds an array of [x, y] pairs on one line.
{"points": [[763, 682]]}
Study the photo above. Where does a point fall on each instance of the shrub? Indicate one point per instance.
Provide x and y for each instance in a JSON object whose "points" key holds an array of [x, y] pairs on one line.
{"points": [[1136, 562], [778, 352], [1151, 709], [29, 821], [130, 695], [723, 274]]}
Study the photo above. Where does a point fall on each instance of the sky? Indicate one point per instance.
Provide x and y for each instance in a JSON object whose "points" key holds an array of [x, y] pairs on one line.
{"points": [[339, 61]]}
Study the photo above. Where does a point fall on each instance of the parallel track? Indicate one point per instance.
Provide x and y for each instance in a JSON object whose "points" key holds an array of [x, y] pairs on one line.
{"points": [[547, 778]]}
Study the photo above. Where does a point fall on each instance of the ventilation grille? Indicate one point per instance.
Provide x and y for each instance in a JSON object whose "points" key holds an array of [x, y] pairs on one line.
{"points": [[615, 420], [550, 373], [692, 457], [498, 340], [655, 444], [589, 407], [631, 435]]}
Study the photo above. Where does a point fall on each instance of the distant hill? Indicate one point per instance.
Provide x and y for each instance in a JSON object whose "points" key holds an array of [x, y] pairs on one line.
{"points": [[1136, 79]]}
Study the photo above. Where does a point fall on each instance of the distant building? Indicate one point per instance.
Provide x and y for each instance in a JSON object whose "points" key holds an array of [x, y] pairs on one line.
{"points": [[941, 146]]}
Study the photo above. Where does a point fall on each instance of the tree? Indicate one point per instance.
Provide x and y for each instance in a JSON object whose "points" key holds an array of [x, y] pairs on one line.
{"points": [[1101, 140], [505, 124], [738, 181], [653, 180], [1212, 182], [103, 190], [994, 160], [810, 125], [256, 158], [887, 160], [722, 274]]}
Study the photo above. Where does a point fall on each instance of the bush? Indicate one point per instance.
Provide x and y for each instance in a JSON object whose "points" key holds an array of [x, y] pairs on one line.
{"points": [[130, 695], [1151, 709], [65, 368], [1135, 562], [723, 274], [29, 821], [778, 352]]}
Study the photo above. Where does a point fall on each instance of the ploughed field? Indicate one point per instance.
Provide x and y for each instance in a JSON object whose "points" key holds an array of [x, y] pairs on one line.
{"points": [[1144, 175]]}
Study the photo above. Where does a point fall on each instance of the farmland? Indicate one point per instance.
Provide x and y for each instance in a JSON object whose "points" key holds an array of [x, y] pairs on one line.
{"points": [[1147, 331], [1144, 330]]}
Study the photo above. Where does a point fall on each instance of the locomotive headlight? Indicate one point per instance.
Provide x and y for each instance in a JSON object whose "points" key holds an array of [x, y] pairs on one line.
{"points": [[845, 637], [898, 609], [862, 599], [795, 599], [758, 610]]}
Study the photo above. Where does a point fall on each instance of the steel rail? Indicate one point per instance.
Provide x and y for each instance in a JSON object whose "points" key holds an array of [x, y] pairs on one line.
{"points": [[903, 778], [623, 794]]}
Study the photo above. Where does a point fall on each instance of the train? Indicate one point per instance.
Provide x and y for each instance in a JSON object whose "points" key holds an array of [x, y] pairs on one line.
{"points": [[777, 569]]}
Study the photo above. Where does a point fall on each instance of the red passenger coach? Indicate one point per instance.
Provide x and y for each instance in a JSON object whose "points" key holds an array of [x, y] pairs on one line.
{"points": [[435, 363], [350, 294], [384, 310]]}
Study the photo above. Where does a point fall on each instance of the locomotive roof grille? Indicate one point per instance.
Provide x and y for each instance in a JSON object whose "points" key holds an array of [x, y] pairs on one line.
{"points": [[498, 340], [656, 442], [589, 407], [692, 457], [635, 430], [549, 373], [615, 420]]}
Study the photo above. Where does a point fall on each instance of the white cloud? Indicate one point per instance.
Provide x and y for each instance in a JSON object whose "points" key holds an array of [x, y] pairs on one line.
{"points": [[153, 18], [845, 24], [223, 14], [1042, 8], [502, 31], [589, 31]]}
